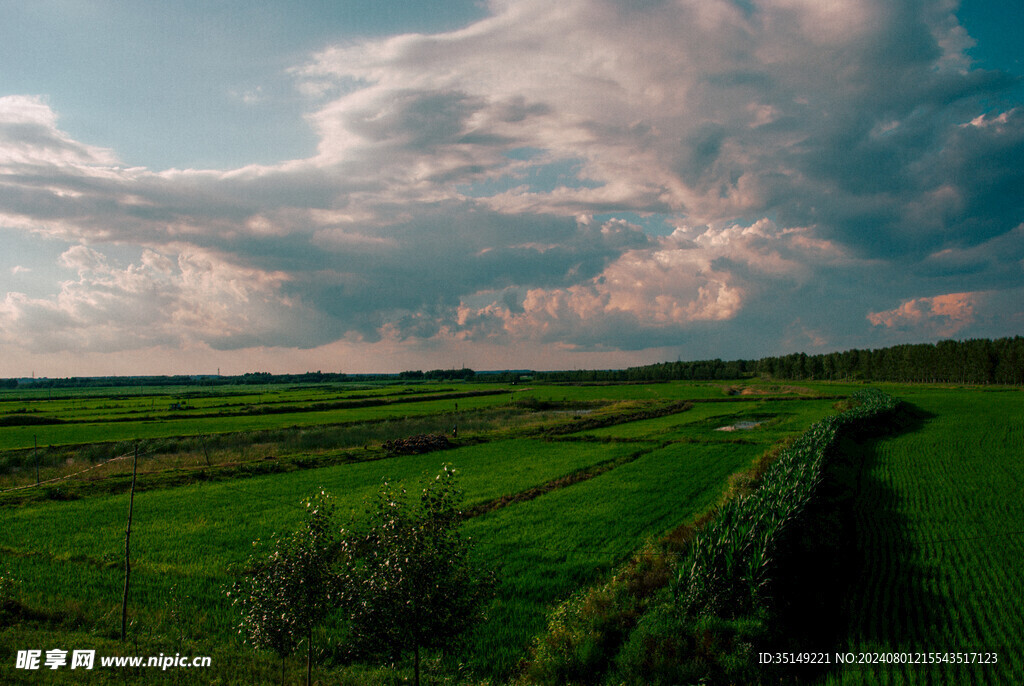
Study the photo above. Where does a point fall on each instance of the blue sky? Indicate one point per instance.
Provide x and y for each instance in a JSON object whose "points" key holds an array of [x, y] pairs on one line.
{"points": [[376, 186]]}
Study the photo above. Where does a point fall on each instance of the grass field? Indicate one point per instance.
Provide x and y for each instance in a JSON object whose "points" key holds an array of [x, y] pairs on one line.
{"points": [[547, 548], [939, 520], [939, 509]]}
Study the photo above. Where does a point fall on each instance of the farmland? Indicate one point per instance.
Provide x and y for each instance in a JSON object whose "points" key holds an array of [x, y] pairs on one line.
{"points": [[563, 484], [939, 537]]}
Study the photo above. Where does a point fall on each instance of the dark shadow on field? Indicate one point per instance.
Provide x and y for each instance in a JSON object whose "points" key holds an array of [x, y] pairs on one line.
{"points": [[829, 567]]}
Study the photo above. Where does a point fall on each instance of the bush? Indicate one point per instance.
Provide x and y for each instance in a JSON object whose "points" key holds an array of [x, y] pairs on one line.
{"points": [[417, 445], [409, 580], [291, 589], [670, 648], [8, 593]]}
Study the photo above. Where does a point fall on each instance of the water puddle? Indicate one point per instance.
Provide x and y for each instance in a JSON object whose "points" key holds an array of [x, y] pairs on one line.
{"points": [[739, 426]]}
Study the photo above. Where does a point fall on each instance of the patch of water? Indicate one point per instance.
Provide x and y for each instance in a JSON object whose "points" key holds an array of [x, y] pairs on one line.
{"points": [[739, 426]]}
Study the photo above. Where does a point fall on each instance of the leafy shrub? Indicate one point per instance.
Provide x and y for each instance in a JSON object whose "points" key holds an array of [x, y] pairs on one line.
{"points": [[9, 604], [292, 589]]}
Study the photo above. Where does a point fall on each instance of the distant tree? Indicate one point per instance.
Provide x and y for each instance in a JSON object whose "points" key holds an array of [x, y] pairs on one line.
{"points": [[413, 585], [291, 589]]}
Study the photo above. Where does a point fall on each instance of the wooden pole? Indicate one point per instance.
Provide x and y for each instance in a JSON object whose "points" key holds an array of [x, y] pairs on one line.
{"points": [[127, 548]]}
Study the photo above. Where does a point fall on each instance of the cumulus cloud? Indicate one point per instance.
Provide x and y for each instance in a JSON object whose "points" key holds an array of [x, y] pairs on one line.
{"points": [[473, 185], [944, 314], [692, 277], [29, 137], [836, 115], [168, 300]]}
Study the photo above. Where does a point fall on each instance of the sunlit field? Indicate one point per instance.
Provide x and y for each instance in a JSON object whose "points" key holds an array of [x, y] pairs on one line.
{"points": [[562, 485]]}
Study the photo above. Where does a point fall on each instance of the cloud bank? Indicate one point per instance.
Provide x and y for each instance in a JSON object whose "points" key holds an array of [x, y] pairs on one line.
{"points": [[727, 177]]}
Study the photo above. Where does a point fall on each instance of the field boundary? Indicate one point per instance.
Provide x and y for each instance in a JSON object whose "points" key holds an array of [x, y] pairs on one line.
{"points": [[564, 481]]}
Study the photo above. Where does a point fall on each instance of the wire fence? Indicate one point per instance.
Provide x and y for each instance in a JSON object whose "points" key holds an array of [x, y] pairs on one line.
{"points": [[73, 474]]}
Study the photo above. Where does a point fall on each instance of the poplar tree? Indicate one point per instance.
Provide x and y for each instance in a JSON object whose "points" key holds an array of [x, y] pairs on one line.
{"points": [[290, 590], [410, 583]]}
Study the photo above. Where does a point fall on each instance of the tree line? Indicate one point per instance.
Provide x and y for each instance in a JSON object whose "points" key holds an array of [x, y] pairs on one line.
{"points": [[247, 379], [974, 361]]}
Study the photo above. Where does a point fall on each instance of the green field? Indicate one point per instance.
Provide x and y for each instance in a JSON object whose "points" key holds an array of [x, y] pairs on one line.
{"points": [[571, 484], [939, 525]]}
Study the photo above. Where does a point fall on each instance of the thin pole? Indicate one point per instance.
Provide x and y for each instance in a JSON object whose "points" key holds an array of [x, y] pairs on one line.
{"points": [[35, 453], [309, 655], [127, 548]]}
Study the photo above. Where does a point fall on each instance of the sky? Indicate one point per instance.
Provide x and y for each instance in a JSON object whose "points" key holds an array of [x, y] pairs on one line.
{"points": [[382, 185]]}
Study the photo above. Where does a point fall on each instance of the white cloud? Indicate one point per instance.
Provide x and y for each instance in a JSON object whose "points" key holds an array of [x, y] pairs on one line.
{"points": [[942, 315], [196, 297], [29, 137], [793, 141]]}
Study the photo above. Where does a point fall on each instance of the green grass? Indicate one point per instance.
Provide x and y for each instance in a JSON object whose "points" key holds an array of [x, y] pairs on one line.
{"points": [[15, 437], [547, 548], [940, 512], [193, 535], [700, 413], [672, 390], [126, 415], [702, 421], [117, 407], [939, 525]]}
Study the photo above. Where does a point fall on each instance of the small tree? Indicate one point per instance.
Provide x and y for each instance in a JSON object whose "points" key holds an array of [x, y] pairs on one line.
{"points": [[413, 585], [292, 588]]}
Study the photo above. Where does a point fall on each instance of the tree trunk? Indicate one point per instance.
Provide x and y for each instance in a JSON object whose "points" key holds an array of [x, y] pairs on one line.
{"points": [[127, 548], [309, 657]]}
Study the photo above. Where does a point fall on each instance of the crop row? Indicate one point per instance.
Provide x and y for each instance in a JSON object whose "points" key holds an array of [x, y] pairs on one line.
{"points": [[703, 626], [731, 557], [938, 533]]}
